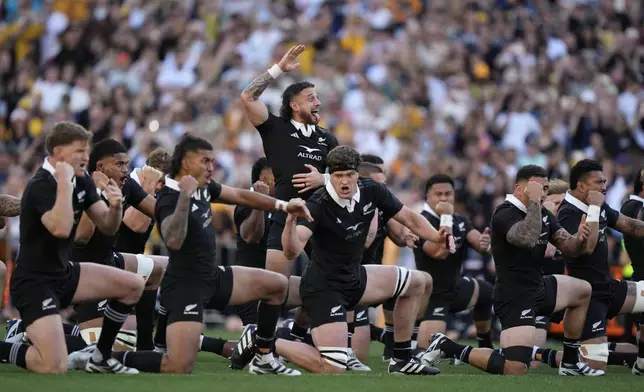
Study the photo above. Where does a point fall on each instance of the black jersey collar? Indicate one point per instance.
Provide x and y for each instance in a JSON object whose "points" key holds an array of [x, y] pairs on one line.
{"points": [[307, 130], [635, 197], [516, 202], [429, 209], [348, 204], [47, 166], [576, 202]]}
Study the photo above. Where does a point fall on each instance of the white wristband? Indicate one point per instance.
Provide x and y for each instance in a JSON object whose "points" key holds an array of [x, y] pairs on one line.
{"points": [[593, 214], [327, 178], [275, 71], [446, 221], [280, 205]]}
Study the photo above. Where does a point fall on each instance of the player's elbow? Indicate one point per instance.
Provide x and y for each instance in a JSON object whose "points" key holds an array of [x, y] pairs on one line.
{"points": [[250, 237], [173, 244], [290, 253], [61, 231]]}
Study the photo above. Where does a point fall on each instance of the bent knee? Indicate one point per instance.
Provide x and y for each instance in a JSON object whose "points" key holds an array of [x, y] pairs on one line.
{"points": [[429, 282], [179, 366], [417, 285], [514, 368], [52, 367]]}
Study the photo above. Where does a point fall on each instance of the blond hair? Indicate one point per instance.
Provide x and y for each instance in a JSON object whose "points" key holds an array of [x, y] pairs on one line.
{"points": [[557, 187]]}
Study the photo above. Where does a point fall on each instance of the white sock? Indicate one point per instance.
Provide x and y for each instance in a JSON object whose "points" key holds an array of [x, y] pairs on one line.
{"points": [[200, 342], [266, 358], [534, 352], [640, 363]]}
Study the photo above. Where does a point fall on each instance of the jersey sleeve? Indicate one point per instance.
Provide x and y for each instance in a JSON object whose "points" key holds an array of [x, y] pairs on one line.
{"points": [[39, 195], [569, 220], [165, 206], [385, 201], [468, 224], [136, 194], [91, 194], [504, 219], [611, 216], [315, 210], [240, 215], [214, 188], [555, 226], [332, 141], [268, 125]]}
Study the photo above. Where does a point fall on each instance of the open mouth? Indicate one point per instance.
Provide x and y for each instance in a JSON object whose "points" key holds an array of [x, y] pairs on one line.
{"points": [[345, 189], [123, 179], [315, 113]]}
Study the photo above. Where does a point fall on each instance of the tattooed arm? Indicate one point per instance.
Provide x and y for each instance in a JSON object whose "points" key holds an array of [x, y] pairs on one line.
{"points": [[9, 205], [569, 245], [256, 110], [525, 234], [175, 226], [630, 226]]}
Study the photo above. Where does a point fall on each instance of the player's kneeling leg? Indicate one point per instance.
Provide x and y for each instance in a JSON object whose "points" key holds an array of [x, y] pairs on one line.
{"points": [[517, 360]]}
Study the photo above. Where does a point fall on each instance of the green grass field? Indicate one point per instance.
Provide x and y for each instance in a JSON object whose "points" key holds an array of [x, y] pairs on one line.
{"points": [[212, 374]]}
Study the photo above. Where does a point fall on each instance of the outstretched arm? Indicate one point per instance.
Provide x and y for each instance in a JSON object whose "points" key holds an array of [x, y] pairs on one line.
{"points": [[630, 226]]}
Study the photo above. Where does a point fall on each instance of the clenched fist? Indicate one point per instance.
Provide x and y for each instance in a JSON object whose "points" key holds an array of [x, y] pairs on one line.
{"points": [[444, 208], [64, 172], [534, 190], [100, 179], [188, 185], [113, 194], [595, 198], [261, 187]]}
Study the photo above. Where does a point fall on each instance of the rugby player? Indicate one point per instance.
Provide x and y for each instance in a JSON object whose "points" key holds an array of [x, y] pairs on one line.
{"points": [[520, 231], [9, 207], [44, 280]]}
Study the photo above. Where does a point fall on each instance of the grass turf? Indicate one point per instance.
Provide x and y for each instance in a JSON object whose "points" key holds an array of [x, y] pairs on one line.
{"points": [[212, 373]]}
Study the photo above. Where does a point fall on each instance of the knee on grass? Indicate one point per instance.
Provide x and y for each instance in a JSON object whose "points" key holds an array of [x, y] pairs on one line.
{"points": [[178, 365]]}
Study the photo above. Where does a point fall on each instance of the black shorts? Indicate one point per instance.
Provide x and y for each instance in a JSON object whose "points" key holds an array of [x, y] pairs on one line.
{"points": [[522, 310], [361, 316], [91, 310], [185, 300], [543, 322], [326, 304], [441, 304], [38, 296], [604, 306]]}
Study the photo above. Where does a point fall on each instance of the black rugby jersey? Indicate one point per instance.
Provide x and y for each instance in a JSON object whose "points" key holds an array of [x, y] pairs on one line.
{"points": [[288, 146], [340, 228], [445, 273], [592, 268], [127, 240], [196, 258], [634, 246], [253, 255], [100, 247], [40, 252], [373, 254], [518, 270]]}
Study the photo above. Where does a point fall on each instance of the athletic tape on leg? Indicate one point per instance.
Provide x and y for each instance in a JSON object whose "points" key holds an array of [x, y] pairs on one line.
{"points": [[639, 297], [336, 356], [144, 267], [403, 281], [595, 352], [125, 339]]}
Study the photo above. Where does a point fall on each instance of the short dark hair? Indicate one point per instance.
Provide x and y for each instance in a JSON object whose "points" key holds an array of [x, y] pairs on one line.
{"points": [[188, 143], [159, 159], [438, 179], [639, 181], [343, 158], [528, 171], [288, 95], [64, 133], [102, 149], [366, 169], [258, 167], [372, 158], [581, 170]]}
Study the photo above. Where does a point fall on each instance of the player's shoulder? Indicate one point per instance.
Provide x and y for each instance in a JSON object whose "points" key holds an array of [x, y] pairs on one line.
{"points": [[631, 207], [166, 192], [368, 184], [41, 179], [566, 208], [319, 196], [504, 208]]}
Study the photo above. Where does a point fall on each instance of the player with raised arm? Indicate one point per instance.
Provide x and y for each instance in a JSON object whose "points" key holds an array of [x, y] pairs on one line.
{"points": [[452, 293], [610, 297], [44, 280], [192, 282], [296, 149], [521, 229]]}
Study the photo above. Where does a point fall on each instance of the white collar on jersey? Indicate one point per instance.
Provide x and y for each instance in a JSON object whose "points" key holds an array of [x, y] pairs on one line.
{"points": [[135, 174], [174, 184], [348, 204], [576, 202], [307, 130], [635, 197], [429, 209], [47, 166], [516, 202]]}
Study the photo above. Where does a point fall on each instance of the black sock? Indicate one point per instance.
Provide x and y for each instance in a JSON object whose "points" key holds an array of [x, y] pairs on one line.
{"points": [[388, 339], [145, 361], [622, 359], [145, 320], [414, 335], [71, 329], [570, 351], [455, 350], [267, 316], [547, 356], [114, 316], [640, 346], [485, 339], [15, 353], [351, 328], [298, 332], [212, 345], [162, 324], [74, 343], [612, 346], [376, 333], [402, 350]]}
